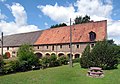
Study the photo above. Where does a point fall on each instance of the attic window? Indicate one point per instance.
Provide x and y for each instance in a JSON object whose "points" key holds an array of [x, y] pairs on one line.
{"points": [[92, 36]]}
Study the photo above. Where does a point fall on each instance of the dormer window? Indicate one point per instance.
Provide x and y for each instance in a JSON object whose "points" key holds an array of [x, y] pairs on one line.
{"points": [[92, 36]]}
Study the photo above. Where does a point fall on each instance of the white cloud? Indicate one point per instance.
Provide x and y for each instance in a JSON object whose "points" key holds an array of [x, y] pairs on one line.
{"points": [[20, 24], [114, 31], [96, 9], [19, 13], [58, 13], [62, 14]]}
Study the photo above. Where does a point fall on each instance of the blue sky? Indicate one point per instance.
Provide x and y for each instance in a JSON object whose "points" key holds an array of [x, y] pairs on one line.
{"points": [[18, 16]]}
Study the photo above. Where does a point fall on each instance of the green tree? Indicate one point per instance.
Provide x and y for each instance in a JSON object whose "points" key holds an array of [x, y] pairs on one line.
{"points": [[58, 25], [103, 54], [80, 19], [27, 57], [85, 60]]}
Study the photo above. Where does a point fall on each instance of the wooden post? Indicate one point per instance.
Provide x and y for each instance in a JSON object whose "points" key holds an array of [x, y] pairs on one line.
{"points": [[2, 44], [70, 63]]}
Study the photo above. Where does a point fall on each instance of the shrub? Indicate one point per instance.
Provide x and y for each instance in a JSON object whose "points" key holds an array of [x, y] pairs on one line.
{"points": [[53, 59], [27, 57], [45, 61], [1, 65], [15, 65], [7, 68], [63, 59], [76, 60], [5, 56]]}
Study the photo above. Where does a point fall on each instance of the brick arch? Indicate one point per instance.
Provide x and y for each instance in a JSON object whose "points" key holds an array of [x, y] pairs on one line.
{"points": [[77, 55], [53, 54], [39, 55], [47, 54], [69, 55], [61, 54], [7, 54]]}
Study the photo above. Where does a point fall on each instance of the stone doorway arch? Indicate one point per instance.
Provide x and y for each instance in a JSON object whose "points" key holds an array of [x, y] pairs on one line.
{"points": [[7, 54]]}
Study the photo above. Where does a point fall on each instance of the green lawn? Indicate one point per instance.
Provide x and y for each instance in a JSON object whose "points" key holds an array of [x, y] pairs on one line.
{"points": [[61, 75]]}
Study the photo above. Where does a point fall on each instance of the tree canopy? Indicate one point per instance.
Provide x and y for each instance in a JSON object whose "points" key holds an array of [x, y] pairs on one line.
{"points": [[103, 54], [80, 19], [58, 25]]}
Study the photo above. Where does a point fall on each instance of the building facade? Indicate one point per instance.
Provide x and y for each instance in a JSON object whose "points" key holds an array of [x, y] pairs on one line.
{"points": [[57, 40]]}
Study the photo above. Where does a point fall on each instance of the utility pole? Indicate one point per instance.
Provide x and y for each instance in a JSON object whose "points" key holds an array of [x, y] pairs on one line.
{"points": [[70, 62], [1, 44]]}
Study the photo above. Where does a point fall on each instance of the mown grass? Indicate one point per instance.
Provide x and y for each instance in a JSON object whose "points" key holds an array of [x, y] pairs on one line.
{"points": [[61, 75]]}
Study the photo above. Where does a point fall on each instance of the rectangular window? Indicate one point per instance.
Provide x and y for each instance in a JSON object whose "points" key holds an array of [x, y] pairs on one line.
{"points": [[47, 47], [7, 48], [69, 46], [60, 46], [92, 45], [53, 47], [37, 47], [77, 46]]}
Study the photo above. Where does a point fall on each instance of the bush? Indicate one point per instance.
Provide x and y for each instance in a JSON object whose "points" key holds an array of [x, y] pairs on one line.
{"points": [[5, 56], [1, 65], [63, 59], [76, 60], [7, 68], [45, 61], [53, 61], [27, 57], [15, 65], [103, 54]]}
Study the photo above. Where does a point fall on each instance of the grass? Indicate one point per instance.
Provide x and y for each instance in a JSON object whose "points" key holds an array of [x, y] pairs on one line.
{"points": [[61, 75]]}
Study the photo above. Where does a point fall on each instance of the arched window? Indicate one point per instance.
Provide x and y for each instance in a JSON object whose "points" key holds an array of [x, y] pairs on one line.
{"points": [[39, 55], [77, 55], [47, 54], [92, 36], [53, 54], [60, 54], [69, 55]]}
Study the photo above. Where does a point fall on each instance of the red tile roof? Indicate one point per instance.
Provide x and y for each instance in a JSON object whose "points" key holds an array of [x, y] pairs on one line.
{"points": [[80, 33]]}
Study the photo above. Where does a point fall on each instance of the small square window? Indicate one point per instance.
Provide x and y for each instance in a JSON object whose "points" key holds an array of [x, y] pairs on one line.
{"points": [[53, 48], [37, 47], [60, 46], [7, 48], [47, 47], [69, 46], [77, 46], [92, 45]]}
